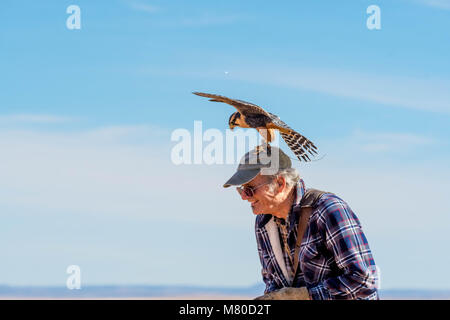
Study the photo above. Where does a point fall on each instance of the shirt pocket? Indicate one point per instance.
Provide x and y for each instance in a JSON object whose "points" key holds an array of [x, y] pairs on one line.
{"points": [[313, 263]]}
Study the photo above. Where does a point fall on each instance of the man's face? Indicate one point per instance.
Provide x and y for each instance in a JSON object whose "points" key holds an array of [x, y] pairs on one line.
{"points": [[263, 201]]}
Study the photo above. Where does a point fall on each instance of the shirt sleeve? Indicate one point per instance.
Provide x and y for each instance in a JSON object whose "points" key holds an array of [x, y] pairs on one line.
{"points": [[346, 242], [271, 285]]}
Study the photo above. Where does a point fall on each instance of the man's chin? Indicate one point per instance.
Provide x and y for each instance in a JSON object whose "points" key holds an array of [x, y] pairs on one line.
{"points": [[258, 213], [255, 210]]}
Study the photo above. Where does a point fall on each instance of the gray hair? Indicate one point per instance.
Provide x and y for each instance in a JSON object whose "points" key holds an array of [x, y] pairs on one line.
{"points": [[291, 176]]}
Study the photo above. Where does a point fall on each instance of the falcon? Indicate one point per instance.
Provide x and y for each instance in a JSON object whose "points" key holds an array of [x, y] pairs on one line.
{"points": [[250, 115]]}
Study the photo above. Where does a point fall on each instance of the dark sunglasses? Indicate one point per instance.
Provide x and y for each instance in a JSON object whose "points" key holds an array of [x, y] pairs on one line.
{"points": [[249, 191]]}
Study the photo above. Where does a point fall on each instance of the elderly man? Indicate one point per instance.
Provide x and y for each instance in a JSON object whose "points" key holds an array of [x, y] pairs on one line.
{"points": [[310, 243]]}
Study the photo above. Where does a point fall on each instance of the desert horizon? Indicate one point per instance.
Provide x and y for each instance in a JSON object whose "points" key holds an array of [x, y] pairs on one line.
{"points": [[148, 292]]}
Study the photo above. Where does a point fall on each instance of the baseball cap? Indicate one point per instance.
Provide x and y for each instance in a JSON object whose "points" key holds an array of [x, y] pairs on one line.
{"points": [[262, 159]]}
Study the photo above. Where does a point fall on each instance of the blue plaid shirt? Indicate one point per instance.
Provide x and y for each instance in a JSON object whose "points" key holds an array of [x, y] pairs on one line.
{"points": [[335, 261]]}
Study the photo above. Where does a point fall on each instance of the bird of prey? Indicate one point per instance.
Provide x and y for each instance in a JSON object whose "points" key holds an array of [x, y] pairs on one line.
{"points": [[249, 115]]}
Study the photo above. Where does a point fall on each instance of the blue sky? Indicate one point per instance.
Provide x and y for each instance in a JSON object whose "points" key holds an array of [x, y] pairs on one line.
{"points": [[86, 118]]}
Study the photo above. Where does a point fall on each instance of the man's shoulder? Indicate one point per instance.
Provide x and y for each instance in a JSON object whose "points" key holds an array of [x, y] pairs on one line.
{"points": [[330, 200], [320, 199], [332, 208]]}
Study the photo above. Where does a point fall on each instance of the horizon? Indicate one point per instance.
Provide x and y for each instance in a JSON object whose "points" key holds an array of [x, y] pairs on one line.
{"points": [[181, 292]]}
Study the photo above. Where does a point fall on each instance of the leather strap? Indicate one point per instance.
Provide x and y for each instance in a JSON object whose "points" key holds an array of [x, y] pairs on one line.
{"points": [[307, 204], [305, 213]]}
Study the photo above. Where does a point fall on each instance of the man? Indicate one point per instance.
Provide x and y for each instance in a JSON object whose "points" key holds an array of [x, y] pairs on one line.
{"points": [[331, 259]]}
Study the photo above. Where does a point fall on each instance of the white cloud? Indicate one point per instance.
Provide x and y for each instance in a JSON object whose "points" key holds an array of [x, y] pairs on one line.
{"points": [[144, 7], [33, 119], [193, 19], [390, 142], [208, 19], [429, 95], [122, 171], [440, 4]]}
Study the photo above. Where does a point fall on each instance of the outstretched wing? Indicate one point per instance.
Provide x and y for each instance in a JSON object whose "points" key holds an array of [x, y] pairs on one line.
{"points": [[300, 145], [242, 106]]}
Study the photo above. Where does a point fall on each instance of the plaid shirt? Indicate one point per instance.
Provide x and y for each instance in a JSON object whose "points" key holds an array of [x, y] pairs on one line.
{"points": [[335, 261]]}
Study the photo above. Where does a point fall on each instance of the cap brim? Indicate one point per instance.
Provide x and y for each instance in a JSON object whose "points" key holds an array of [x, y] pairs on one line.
{"points": [[242, 177]]}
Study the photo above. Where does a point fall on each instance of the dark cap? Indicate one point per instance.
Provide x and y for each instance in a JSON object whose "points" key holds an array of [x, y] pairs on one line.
{"points": [[265, 160]]}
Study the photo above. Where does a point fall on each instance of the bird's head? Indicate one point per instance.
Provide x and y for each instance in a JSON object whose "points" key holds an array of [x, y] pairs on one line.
{"points": [[234, 120]]}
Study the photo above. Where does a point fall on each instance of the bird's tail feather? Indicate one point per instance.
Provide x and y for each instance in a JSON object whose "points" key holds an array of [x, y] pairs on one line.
{"points": [[300, 145]]}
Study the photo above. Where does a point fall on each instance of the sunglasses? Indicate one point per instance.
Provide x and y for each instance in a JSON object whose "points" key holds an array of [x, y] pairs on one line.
{"points": [[249, 191]]}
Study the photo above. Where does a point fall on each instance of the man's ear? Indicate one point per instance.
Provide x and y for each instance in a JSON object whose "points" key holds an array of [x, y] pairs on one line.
{"points": [[281, 181]]}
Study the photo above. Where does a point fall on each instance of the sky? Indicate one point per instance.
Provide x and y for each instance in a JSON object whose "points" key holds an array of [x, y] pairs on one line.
{"points": [[87, 118]]}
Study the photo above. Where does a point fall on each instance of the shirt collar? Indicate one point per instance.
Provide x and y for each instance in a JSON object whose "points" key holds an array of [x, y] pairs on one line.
{"points": [[294, 212], [299, 192]]}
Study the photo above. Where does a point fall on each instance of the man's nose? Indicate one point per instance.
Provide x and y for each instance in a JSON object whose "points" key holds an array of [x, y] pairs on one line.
{"points": [[244, 196]]}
